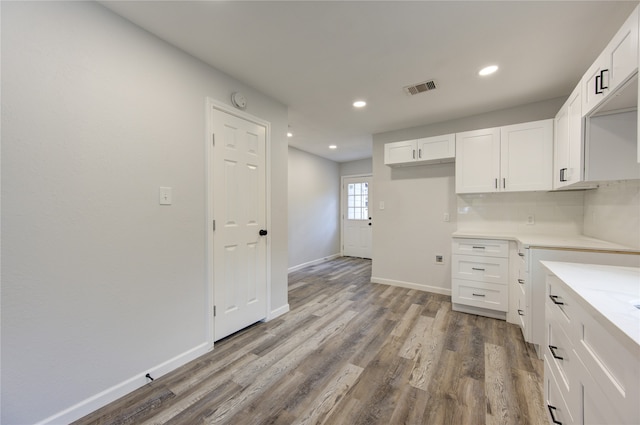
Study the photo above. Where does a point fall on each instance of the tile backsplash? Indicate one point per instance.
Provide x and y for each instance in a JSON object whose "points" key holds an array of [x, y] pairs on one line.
{"points": [[551, 212], [612, 212]]}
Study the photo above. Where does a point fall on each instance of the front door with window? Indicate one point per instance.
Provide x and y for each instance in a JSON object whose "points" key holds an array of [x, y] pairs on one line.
{"points": [[356, 222]]}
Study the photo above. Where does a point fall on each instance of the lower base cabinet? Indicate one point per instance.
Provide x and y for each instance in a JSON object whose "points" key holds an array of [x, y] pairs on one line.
{"points": [[589, 376], [479, 271]]}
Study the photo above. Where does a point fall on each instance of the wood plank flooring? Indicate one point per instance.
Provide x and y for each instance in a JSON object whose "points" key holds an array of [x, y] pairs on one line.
{"points": [[350, 352]]}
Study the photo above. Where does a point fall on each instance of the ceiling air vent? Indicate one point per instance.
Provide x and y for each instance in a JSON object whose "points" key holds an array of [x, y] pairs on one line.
{"points": [[420, 87]]}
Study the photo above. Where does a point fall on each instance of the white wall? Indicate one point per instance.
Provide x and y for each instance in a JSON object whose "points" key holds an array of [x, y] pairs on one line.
{"points": [[314, 208], [100, 284], [358, 167], [612, 212], [410, 231]]}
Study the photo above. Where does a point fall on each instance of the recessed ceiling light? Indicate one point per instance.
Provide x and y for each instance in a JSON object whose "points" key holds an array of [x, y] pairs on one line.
{"points": [[289, 134], [488, 70], [333, 147], [359, 103]]}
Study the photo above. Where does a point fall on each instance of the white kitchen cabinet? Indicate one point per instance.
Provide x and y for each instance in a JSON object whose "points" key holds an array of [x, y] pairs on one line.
{"points": [[480, 270], [526, 156], [569, 135], [617, 63], [596, 149], [513, 158], [519, 289], [478, 161], [591, 375], [426, 150], [537, 280]]}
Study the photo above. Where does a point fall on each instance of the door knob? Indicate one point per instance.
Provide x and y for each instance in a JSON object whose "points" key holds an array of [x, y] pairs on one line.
{"points": [[263, 232]]}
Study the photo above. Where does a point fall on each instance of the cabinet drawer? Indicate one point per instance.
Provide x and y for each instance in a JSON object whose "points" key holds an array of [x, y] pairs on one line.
{"points": [[559, 353], [491, 296], [612, 366], [560, 306], [554, 400], [483, 247], [482, 269]]}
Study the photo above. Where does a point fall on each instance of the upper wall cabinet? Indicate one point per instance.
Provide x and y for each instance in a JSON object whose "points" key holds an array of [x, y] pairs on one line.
{"points": [[596, 130], [617, 63], [513, 158], [568, 150], [427, 150]]}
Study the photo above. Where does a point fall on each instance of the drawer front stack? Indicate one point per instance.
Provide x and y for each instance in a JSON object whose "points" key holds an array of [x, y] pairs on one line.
{"points": [[480, 275], [590, 377], [519, 289]]}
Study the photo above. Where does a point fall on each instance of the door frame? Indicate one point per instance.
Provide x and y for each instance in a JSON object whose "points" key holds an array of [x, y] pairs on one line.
{"points": [[343, 207], [210, 105]]}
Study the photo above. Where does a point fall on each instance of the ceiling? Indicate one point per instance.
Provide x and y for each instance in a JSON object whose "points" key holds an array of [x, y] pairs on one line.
{"points": [[317, 57]]}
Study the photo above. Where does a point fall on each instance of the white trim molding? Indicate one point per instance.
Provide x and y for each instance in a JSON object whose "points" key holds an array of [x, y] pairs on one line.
{"points": [[273, 314], [313, 262], [123, 388], [411, 285]]}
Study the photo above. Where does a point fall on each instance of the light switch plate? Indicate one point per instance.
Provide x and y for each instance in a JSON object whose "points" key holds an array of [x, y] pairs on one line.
{"points": [[165, 196]]}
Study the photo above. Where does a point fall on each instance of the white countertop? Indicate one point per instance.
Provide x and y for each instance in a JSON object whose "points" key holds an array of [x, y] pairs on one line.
{"points": [[610, 291], [549, 241]]}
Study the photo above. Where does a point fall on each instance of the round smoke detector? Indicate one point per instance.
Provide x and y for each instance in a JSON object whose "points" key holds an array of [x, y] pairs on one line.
{"points": [[239, 100]]}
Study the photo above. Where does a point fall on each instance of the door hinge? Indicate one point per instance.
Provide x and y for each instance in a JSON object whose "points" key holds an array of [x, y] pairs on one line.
{"points": [[214, 225], [214, 311]]}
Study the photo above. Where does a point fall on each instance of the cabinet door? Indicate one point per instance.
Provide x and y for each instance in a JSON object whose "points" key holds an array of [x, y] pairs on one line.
{"points": [[478, 161], [438, 148], [622, 52], [400, 152], [561, 146], [569, 145], [594, 84], [617, 62], [526, 152]]}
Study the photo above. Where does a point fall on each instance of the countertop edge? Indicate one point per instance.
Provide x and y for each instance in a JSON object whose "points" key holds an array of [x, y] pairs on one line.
{"points": [[575, 242], [630, 342]]}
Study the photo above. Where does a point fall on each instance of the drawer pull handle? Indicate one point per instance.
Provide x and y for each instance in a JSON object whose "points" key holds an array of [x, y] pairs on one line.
{"points": [[521, 281], [479, 247], [521, 254], [553, 349], [477, 268], [553, 417], [478, 295], [555, 301], [520, 312]]}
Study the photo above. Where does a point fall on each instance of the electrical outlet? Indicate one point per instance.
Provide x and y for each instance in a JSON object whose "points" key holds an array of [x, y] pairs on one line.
{"points": [[531, 219], [439, 259]]}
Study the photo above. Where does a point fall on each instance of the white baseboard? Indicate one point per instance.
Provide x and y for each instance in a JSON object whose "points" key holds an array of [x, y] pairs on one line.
{"points": [[411, 285], [277, 312], [313, 263], [105, 397]]}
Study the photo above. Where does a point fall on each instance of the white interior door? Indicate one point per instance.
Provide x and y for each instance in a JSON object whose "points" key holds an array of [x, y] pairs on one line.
{"points": [[356, 217], [239, 211]]}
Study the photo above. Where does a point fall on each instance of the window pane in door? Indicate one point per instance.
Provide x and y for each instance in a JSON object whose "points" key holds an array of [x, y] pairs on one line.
{"points": [[358, 201]]}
